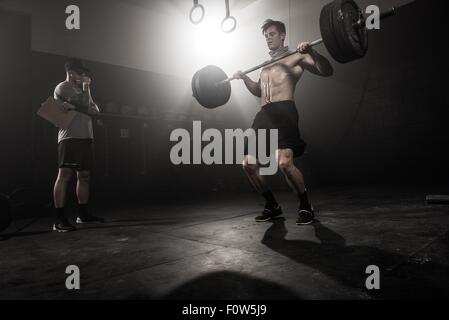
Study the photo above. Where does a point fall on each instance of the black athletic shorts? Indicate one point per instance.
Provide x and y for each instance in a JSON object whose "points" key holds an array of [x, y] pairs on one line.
{"points": [[76, 154], [283, 116]]}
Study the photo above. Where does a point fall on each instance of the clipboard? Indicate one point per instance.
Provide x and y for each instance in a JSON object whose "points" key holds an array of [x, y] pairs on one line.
{"points": [[52, 111]]}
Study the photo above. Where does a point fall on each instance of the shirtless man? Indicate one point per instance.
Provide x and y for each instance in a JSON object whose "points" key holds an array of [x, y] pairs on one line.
{"points": [[276, 88]]}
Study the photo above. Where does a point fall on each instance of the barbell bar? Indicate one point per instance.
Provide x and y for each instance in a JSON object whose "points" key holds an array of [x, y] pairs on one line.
{"points": [[264, 64], [359, 24]]}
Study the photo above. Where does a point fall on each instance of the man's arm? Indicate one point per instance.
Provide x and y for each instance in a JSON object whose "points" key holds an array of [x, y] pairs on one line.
{"points": [[79, 103], [314, 62], [93, 107], [253, 87], [62, 92]]}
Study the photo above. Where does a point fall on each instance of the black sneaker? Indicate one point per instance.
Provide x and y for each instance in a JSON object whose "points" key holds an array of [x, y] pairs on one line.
{"points": [[89, 219], [269, 213], [305, 216], [63, 225]]}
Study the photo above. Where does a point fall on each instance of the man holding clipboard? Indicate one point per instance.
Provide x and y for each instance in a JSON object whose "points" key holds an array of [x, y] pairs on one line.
{"points": [[75, 144]]}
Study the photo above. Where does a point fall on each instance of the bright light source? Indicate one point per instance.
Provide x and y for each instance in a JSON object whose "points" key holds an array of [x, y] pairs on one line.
{"points": [[209, 44], [194, 46]]}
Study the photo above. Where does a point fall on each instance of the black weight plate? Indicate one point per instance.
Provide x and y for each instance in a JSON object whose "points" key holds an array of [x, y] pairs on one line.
{"points": [[328, 33], [353, 42], [206, 88], [358, 37]]}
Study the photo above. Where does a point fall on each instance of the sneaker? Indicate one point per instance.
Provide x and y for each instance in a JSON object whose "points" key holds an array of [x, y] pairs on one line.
{"points": [[305, 216], [89, 219], [63, 225], [269, 213]]}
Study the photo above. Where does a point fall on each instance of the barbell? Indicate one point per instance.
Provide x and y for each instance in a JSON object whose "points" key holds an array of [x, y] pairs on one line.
{"points": [[344, 35]]}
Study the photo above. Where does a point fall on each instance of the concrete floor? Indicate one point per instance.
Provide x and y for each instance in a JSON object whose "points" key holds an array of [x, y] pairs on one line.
{"points": [[215, 250]]}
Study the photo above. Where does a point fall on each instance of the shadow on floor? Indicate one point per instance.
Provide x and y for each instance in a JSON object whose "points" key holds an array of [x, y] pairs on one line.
{"points": [[226, 285], [400, 278]]}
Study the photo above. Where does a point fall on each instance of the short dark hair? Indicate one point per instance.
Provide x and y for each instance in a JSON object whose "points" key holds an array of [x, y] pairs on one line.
{"points": [[280, 26], [76, 65]]}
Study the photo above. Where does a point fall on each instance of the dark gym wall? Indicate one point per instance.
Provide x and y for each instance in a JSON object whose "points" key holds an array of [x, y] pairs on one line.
{"points": [[15, 88], [400, 130], [382, 118]]}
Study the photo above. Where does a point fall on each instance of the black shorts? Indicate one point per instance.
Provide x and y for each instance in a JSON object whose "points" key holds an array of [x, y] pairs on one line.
{"points": [[76, 154], [282, 116]]}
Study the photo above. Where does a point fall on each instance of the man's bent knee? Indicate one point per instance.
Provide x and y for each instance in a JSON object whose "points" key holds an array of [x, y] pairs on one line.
{"points": [[286, 165], [285, 160]]}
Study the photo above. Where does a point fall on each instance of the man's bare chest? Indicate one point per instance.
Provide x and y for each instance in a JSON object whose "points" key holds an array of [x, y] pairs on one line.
{"points": [[280, 72]]}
